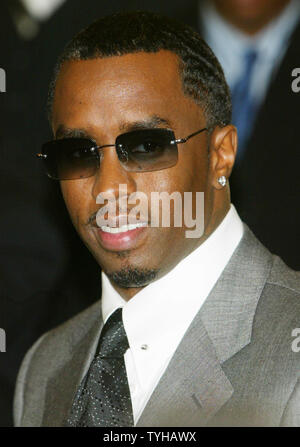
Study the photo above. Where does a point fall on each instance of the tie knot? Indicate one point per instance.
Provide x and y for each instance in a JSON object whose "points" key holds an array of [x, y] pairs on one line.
{"points": [[113, 340], [250, 59]]}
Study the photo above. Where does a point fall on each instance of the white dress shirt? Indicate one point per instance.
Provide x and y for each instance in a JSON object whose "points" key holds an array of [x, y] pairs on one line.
{"points": [[157, 317], [230, 45]]}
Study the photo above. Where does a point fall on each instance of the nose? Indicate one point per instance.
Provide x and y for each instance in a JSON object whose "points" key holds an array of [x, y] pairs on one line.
{"points": [[111, 174]]}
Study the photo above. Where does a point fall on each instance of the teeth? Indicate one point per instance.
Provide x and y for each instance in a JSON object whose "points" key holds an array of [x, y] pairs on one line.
{"points": [[123, 228]]}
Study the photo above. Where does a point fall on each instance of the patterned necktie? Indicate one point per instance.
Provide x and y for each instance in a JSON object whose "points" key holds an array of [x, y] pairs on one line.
{"points": [[103, 398], [243, 105]]}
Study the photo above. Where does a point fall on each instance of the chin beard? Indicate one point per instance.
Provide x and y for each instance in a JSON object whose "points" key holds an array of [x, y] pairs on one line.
{"points": [[132, 277]]}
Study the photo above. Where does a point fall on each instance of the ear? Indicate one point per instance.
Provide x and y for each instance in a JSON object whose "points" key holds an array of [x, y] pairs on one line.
{"points": [[223, 147]]}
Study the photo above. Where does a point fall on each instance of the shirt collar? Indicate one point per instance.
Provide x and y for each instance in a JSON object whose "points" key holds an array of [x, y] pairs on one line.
{"points": [[273, 38]]}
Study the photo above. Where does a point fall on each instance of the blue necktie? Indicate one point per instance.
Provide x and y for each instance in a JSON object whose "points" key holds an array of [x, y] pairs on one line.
{"points": [[243, 106]]}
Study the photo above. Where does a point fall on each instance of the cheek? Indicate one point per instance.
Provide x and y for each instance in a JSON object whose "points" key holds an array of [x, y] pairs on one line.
{"points": [[165, 180], [192, 171], [76, 199], [190, 174]]}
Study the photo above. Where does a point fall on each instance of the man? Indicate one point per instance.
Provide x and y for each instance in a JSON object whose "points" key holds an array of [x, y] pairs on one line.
{"points": [[189, 331]]}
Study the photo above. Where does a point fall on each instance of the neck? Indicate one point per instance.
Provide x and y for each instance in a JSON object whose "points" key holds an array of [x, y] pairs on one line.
{"points": [[250, 25], [127, 293]]}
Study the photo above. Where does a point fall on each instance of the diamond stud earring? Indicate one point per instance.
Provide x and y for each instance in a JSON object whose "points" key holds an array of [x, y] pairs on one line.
{"points": [[222, 180]]}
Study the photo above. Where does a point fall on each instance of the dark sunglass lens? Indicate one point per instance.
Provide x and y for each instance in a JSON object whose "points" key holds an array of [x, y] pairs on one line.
{"points": [[70, 158], [147, 150]]}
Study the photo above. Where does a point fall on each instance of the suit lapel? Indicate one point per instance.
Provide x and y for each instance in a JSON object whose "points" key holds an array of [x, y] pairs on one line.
{"points": [[229, 310], [194, 386]]}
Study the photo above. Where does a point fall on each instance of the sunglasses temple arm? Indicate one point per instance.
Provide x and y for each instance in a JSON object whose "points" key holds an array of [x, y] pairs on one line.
{"points": [[184, 140], [195, 133]]}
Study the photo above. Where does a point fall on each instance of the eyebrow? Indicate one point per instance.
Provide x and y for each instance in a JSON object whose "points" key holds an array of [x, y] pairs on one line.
{"points": [[66, 132], [149, 123]]}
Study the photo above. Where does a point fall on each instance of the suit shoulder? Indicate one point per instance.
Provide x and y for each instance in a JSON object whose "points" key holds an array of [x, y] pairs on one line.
{"points": [[284, 277], [58, 342], [47, 356], [278, 310]]}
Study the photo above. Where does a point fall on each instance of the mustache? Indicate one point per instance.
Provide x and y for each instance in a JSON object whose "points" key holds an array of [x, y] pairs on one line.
{"points": [[117, 208]]}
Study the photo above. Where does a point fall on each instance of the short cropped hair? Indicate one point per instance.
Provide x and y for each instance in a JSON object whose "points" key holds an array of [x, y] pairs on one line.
{"points": [[132, 32]]}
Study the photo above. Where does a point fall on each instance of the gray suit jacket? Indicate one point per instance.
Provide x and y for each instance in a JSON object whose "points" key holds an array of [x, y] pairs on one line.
{"points": [[235, 365]]}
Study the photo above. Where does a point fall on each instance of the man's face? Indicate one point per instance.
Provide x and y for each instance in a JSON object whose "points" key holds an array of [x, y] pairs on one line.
{"points": [[102, 98]]}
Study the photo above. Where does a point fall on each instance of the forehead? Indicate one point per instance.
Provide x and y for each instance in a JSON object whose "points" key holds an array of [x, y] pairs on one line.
{"points": [[127, 87]]}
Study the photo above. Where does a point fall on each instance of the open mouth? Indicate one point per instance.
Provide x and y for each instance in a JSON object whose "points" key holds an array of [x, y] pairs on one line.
{"points": [[123, 237], [123, 228]]}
